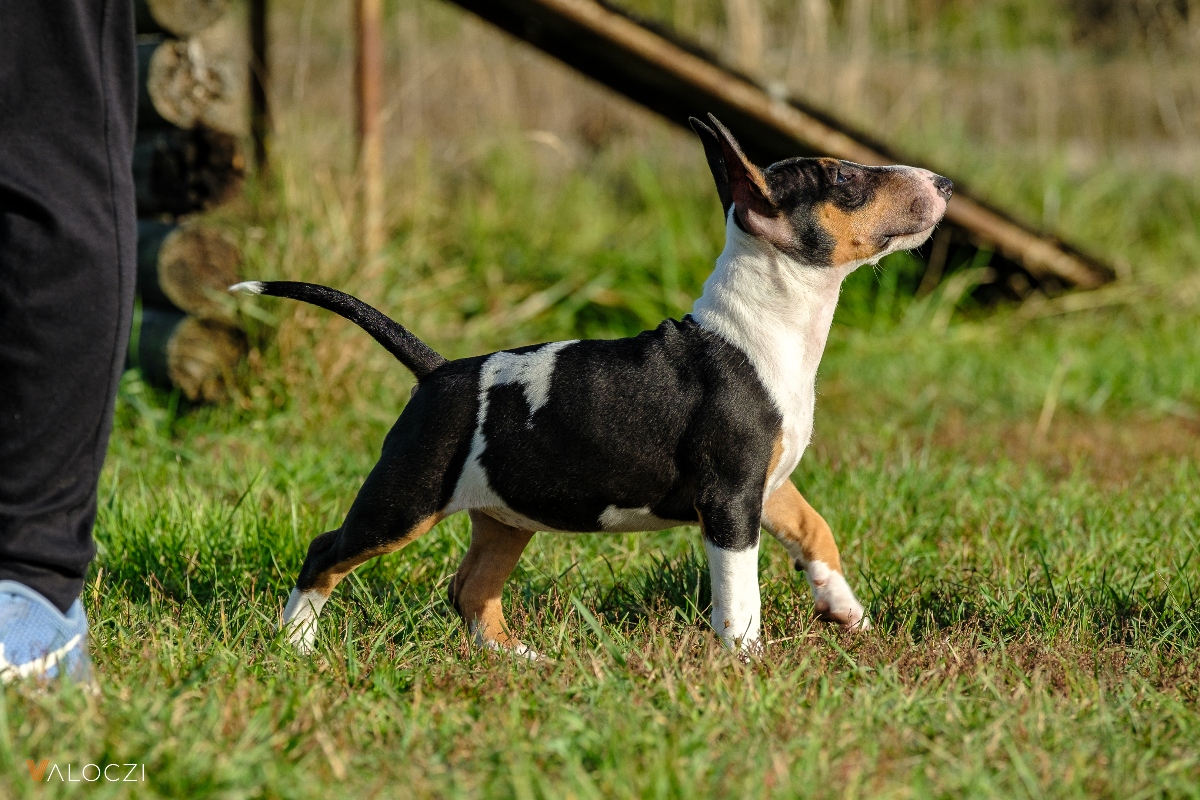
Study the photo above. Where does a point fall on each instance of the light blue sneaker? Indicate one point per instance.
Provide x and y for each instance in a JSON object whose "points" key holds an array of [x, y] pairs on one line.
{"points": [[39, 641]]}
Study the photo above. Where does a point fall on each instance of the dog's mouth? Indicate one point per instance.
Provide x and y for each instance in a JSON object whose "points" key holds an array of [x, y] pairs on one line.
{"points": [[907, 240]]}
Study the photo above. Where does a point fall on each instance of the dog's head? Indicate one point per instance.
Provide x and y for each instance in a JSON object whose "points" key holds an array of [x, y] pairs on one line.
{"points": [[823, 212]]}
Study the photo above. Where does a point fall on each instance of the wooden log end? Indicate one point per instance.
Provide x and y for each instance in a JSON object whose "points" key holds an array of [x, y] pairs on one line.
{"points": [[187, 87], [196, 266], [202, 357], [182, 171], [197, 356], [180, 17]]}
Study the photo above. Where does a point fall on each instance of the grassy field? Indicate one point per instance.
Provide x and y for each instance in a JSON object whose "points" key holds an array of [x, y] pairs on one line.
{"points": [[1015, 492]]}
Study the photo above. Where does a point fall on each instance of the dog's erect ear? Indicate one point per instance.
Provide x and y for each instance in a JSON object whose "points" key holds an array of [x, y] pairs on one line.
{"points": [[748, 190], [716, 162]]}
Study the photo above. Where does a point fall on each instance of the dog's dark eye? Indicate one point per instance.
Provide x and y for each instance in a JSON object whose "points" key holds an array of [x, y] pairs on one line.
{"points": [[841, 177]]}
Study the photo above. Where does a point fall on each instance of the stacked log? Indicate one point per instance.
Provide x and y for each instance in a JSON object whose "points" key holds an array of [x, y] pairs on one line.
{"points": [[197, 356], [187, 159], [187, 268], [183, 86], [182, 18], [178, 172]]}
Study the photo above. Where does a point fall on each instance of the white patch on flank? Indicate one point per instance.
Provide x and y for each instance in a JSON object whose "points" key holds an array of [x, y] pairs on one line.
{"points": [[249, 287], [300, 618], [533, 372], [777, 311], [831, 590], [736, 606], [632, 520]]}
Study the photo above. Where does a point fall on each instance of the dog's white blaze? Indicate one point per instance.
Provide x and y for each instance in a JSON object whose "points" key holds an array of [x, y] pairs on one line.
{"points": [[829, 587], [736, 606], [632, 520], [300, 618], [533, 372]]}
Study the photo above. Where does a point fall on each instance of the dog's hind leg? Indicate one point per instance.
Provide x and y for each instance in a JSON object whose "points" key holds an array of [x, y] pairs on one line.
{"points": [[331, 557], [391, 510], [475, 589], [804, 533]]}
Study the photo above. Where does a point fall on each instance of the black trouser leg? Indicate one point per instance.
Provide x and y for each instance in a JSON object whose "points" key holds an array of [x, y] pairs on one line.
{"points": [[67, 242]]}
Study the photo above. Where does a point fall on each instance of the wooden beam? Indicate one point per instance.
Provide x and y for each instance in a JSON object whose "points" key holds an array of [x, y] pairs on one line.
{"points": [[675, 78]]}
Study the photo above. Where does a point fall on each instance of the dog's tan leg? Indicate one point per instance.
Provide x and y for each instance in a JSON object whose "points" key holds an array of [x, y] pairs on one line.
{"points": [[476, 587], [331, 557], [804, 533]]}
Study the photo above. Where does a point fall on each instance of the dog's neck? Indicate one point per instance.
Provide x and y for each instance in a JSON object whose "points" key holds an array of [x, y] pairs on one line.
{"points": [[778, 312]]}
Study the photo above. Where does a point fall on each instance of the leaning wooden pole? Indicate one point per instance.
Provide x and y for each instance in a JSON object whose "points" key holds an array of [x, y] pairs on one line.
{"points": [[677, 79], [368, 75]]}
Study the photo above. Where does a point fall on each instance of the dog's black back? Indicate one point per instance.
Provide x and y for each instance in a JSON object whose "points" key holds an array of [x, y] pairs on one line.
{"points": [[677, 410]]}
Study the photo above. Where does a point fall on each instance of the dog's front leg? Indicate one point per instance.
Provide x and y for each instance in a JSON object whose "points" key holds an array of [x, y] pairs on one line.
{"points": [[731, 543], [804, 533]]}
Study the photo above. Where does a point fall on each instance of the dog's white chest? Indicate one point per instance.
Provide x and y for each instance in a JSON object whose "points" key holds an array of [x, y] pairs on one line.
{"points": [[777, 312]]}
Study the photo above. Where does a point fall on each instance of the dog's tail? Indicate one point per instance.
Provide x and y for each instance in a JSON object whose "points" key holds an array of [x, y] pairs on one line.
{"points": [[408, 349]]}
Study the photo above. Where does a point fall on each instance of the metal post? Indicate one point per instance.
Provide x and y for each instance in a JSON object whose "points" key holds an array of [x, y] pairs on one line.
{"points": [[260, 117], [369, 89]]}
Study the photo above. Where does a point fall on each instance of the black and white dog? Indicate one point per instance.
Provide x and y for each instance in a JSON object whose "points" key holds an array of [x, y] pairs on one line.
{"points": [[698, 421]]}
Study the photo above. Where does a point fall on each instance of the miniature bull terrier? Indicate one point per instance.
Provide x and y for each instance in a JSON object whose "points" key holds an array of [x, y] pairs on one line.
{"points": [[699, 421]]}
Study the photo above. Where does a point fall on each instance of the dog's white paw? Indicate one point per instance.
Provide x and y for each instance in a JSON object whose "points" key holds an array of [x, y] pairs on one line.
{"points": [[513, 647], [833, 599], [747, 645], [300, 619], [516, 650]]}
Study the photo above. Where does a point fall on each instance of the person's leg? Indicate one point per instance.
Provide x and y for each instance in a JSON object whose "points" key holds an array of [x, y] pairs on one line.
{"points": [[67, 249]]}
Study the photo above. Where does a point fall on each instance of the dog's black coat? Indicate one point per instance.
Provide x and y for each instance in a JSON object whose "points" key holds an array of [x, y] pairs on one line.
{"points": [[678, 409], [705, 432], [702, 427]]}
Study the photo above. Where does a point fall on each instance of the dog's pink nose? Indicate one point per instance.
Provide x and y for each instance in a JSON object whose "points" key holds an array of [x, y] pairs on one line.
{"points": [[944, 186]]}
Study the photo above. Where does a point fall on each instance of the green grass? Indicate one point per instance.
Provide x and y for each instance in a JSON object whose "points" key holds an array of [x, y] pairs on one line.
{"points": [[1036, 619]]}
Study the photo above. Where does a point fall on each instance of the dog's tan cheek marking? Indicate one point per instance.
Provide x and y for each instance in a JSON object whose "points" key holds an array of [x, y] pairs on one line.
{"points": [[858, 233], [855, 233], [477, 587]]}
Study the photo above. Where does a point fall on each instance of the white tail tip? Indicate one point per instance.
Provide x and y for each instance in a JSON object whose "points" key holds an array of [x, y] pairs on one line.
{"points": [[249, 287]]}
